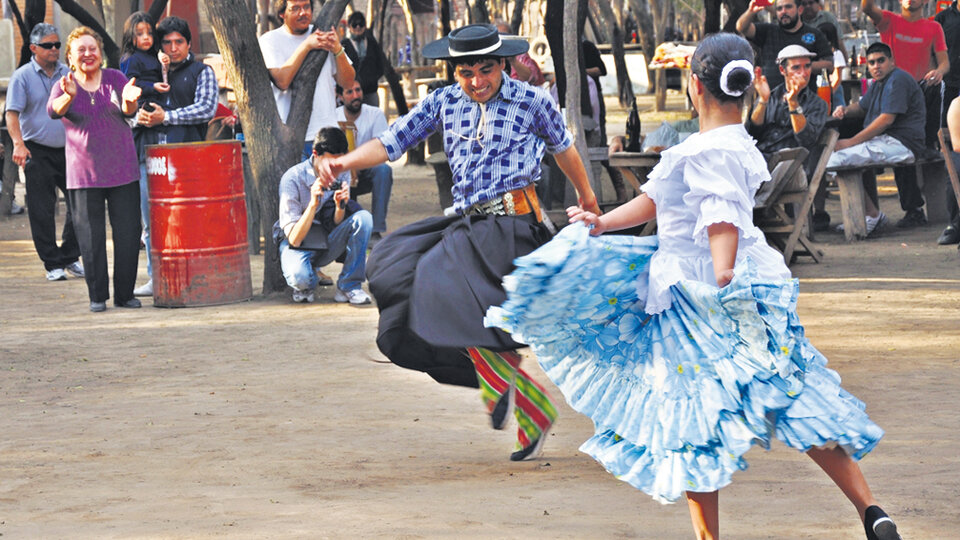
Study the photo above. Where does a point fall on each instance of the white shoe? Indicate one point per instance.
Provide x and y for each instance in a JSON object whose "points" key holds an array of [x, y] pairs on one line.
{"points": [[356, 297], [75, 269], [144, 290], [875, 224], [303, 297], [16, 209], [57, 274]]}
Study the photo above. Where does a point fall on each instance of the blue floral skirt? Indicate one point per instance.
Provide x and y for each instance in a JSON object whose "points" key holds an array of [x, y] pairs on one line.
{"points": [[677, 398]]}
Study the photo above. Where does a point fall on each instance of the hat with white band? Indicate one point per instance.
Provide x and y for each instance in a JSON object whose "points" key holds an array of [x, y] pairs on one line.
{"points": [[475, 40]]}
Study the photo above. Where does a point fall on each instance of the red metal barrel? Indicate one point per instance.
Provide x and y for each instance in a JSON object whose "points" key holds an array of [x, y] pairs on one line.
{"points": [[198, 224]]}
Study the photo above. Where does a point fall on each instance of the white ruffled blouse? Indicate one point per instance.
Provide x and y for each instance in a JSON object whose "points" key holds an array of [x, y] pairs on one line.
{"points": [[708, 178]]}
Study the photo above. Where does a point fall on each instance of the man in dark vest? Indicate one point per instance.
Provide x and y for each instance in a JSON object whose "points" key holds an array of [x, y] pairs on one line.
{"points": [[366, 55], [190, 104]]}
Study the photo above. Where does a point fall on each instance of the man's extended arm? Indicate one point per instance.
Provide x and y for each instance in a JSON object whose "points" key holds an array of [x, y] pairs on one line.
{"points": [[745, 23], [870, 8]]}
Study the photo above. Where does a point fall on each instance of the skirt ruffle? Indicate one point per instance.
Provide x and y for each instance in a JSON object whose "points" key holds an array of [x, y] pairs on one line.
{"points": [[677, 398]]}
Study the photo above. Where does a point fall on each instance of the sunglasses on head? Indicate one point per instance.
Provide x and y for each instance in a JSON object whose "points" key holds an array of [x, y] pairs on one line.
{"points": [[48, 46]]}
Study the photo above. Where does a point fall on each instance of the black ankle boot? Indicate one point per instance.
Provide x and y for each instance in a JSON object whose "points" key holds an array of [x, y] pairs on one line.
{"points": [[878, 525]]}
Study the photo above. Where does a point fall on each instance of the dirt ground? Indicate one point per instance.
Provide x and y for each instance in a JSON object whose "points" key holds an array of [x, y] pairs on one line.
{"points": [[266, 419]]}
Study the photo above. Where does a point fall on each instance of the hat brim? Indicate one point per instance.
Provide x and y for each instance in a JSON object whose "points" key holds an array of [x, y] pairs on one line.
{"points": [[509, 46]]}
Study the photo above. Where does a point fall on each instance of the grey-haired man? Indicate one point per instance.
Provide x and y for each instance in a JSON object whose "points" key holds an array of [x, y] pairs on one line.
{"points": [[38, 143]]}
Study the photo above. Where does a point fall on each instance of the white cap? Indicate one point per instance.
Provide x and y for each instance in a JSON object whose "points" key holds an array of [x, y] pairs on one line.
{"points": [[794, 51]]}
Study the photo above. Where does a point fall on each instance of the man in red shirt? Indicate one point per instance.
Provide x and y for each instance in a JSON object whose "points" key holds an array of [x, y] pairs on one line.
{"points": [[921, 50]]}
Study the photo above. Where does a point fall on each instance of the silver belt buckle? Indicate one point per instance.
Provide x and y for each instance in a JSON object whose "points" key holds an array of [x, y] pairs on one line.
{"points": [[508, 205]]}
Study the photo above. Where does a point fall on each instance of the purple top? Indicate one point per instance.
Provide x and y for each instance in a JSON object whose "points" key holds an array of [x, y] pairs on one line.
{"points": [[99, 150]]}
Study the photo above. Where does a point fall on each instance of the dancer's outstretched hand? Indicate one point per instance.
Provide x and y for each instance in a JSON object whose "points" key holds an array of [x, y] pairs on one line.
{"points": [[590, 219]]}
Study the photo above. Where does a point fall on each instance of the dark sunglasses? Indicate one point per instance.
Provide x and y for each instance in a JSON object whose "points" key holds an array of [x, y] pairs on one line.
{"points": [[357, 25], [48, 46]]}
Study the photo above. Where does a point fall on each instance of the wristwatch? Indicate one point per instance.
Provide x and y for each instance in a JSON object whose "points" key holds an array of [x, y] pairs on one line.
{"points": [[798, 110]]}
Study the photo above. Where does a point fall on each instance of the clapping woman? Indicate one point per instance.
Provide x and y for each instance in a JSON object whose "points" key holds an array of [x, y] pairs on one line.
{"points": [[102, 173]]}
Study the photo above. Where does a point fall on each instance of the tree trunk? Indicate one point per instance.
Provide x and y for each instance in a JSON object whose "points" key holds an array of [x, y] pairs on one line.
{"points": [[574, 13], [735, 8], [10, 172], [516, 18], [273, 147], [33, 13], [613, 16], [645, 35], [711, 19], [110, 49]]}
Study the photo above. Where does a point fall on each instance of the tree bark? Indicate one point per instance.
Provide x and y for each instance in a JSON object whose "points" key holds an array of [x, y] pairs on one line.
{"points": [[156, 9], [33, 13], [273, 147]]}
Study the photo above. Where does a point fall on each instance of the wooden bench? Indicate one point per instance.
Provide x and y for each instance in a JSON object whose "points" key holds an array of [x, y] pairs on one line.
{"points": [[931, 178]]}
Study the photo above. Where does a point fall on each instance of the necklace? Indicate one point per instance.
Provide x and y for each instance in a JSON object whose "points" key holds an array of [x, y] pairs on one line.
{"points": [[93, 94]]}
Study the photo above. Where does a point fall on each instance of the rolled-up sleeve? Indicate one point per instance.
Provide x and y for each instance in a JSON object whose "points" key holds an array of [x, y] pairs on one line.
{"points": [[412, 128]]}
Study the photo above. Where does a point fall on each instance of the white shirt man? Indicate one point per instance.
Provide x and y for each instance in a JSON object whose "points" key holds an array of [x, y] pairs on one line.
{"points": [[369, 122], [284, 51]]}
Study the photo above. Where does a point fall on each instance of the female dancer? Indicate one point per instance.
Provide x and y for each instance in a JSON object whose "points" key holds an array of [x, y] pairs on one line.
{"points": [[685, 349]]}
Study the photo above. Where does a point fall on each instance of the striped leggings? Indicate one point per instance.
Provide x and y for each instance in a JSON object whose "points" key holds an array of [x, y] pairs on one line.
{"points": [[496, 373]]}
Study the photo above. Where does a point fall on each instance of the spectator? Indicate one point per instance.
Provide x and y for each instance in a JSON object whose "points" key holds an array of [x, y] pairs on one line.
{"points": [[187, 107], [949, 19], [791, 115], [522, 67], [893, 125], [284, 51], [814, 15], [919, 46], [370, 122], [38, 142], [94, 104], [366, 55], [790, 30], [140, 61], [953, 124], [318, 223]]}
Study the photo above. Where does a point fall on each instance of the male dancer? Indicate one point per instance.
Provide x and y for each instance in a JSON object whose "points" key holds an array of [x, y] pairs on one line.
{"points": [[434, 280]]}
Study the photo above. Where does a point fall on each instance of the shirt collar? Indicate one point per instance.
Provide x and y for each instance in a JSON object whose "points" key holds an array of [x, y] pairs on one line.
{"points": [[39, 69]]}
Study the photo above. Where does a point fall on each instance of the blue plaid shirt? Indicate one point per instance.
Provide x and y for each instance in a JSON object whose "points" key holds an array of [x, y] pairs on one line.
{"points": [[520, 122]]}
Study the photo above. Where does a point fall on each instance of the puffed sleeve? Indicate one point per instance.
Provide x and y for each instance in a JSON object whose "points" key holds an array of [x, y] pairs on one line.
{"points": [[721, 188]]}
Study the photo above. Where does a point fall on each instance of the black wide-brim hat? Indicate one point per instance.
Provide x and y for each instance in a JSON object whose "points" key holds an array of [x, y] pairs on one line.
{"points": [[475, 40]]}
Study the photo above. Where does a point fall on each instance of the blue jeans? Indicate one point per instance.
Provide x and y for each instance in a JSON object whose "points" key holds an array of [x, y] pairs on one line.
{"points": [[380, 182], [145, 214], [350, 236]]}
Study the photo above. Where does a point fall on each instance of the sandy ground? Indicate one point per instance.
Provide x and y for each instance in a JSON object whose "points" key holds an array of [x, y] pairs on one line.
{"points": [[266, 419]]}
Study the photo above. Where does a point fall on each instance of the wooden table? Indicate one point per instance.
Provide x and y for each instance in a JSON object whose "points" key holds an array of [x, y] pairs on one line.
{"points": [[635, 166]]}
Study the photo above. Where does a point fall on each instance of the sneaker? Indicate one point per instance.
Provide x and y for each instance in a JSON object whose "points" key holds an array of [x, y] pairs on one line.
{"points": [[144, 290], [75, 269], [912, 218], [324, 279], [875, 224], [356, 297], [16, 209], [57, 274], [303, 297]]}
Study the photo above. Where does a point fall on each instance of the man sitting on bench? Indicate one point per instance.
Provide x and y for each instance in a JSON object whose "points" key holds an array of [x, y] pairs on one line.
{"points": [[892, 127], [791, 115]]}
